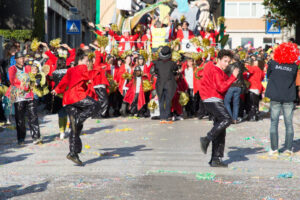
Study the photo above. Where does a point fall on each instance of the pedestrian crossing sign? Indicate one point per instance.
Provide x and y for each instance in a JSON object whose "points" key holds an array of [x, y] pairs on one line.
{"points": [[73, 27], [272, 27]]}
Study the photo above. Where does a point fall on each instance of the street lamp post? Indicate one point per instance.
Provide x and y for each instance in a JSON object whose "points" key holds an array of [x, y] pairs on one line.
{"points": [[222, 15]]}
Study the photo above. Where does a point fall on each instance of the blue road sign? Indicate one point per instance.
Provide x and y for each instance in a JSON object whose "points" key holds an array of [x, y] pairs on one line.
{"points": [[272, 28], [73, 26]]}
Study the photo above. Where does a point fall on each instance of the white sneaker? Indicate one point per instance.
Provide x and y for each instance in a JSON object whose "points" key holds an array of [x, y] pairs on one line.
{"points": [[287, 153], [179, 118], [38, 141], [173, 119], [273, 153], [62, 136]]}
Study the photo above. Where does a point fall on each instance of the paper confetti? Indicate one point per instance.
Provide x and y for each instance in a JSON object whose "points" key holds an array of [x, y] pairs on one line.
{"points": [[87, 146], [285, 175], [205, 176]]}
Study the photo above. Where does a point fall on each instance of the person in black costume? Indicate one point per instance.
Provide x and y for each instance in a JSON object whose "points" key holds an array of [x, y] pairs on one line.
{"points": [[166, 83]]}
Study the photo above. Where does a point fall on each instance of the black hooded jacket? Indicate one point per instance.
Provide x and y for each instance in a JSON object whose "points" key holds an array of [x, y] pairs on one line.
{"points": [[281, 82]]}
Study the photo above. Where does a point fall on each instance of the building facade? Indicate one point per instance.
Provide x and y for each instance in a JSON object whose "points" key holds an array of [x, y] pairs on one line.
{"points": [[57, 12], [245, 24]]}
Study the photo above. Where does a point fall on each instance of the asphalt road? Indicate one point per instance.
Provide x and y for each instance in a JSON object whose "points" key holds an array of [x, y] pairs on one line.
{"points": [[136, 159]]}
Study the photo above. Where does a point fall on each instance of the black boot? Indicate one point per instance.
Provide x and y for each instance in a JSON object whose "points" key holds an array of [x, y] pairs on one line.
{"points": [[75, 158], [204, 143], [217, 162]]}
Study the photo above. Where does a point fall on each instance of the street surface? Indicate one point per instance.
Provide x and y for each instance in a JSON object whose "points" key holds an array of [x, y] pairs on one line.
{"points": [[137, 159]]}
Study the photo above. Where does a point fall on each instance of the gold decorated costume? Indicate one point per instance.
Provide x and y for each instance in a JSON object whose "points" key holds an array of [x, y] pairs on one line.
{"points": [[38, 84]]}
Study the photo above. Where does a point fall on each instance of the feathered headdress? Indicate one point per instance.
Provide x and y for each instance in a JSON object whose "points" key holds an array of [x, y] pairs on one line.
{"points": [[144, 54], [126, 53], [176, 56], [55, 43], [182, 18], [114, 27], [221, 20], [205, 42], [35, 44], [196, 41], [102, 41], [287, 53]]}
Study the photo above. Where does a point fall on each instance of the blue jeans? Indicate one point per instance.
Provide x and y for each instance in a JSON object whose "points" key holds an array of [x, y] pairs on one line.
{"points": [[233, 92], [288, 111]]}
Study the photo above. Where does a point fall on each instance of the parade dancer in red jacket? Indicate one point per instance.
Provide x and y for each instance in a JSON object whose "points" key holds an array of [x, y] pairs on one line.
{"points": [[213, 88], [79, 105], [99, 85], [22, 96], [135, 95]]}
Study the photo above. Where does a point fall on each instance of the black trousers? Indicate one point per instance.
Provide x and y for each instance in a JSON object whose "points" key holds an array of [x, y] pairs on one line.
{"points": [[165, 104], [78, 113], [102, 102], [143, 112], [253, 106], [191, 106], [217, 134], [21, 109], [2, 116], [115, 101], [199, 107]]}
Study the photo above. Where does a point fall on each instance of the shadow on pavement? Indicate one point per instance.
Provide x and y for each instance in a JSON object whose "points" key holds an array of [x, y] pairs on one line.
{"points": [[18, 190], [7, 160], [95, 130], [240, 154], [51, 138], [113, 153]]}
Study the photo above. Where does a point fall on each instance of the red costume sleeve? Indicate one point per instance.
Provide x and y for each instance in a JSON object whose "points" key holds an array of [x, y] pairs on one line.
{"points": [[116, 36], [202, 33], [12, 75], [135, 37], [221, 84], [98, 32], [51, 56], [72, 56]]}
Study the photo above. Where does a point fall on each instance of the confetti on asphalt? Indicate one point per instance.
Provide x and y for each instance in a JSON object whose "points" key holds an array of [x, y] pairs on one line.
{"points": [[123, 130], [42, 162], [198, 175], [205, 176], [285, 175], [87, 146], [249, 138]]}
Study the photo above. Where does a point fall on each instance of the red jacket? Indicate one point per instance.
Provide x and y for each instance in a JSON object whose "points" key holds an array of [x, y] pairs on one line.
{"points": [[256, 77], [121, 80], [129, 97], [53, 59], [215, 82], [116, 71], [98, 77], [100, 57], [74, 85], [145, 38], [182, 86], [52, 63], [181, 36], [195, 81], [15, 82], [122, 39], [211, 36]]}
